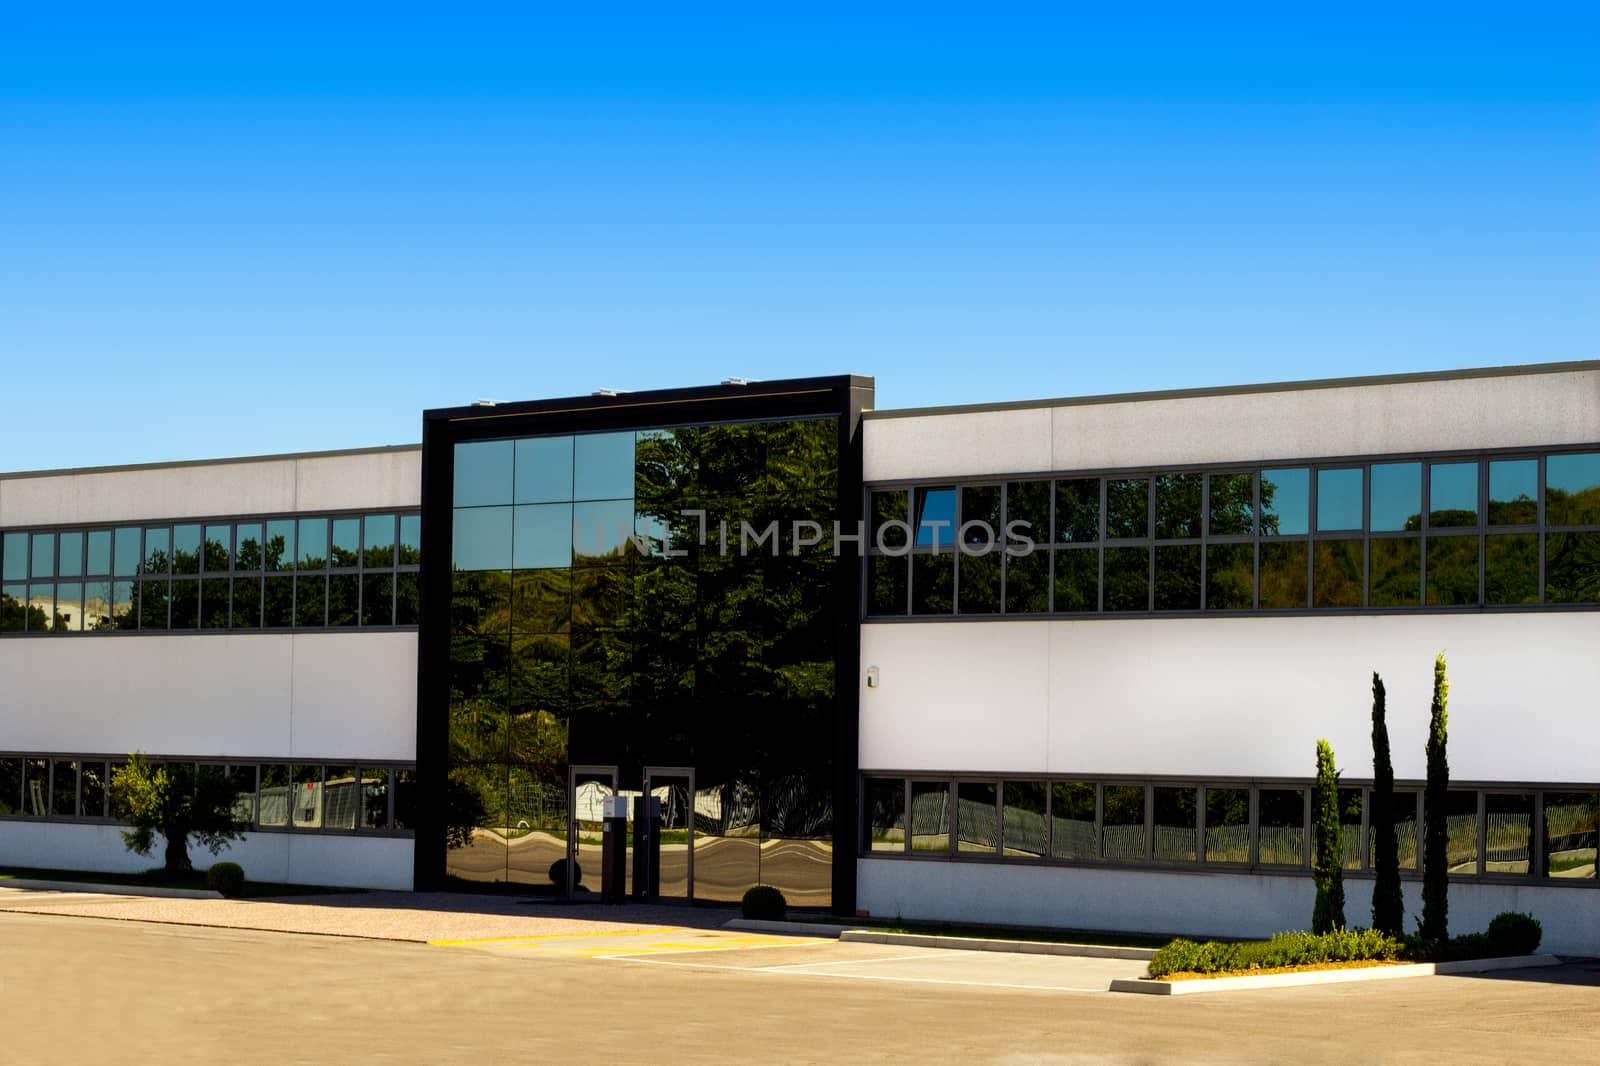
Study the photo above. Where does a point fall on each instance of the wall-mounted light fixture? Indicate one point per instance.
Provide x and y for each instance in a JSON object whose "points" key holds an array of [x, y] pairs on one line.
{"points": [[872, 677]]}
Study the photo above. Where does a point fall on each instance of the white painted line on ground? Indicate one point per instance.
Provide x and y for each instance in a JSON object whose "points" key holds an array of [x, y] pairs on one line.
{"points": [[778, 972], [861, 962]]}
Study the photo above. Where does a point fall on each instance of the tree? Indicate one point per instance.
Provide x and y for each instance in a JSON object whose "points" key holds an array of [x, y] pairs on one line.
{"points": [[178, 802], [1435, 924], [1327, 862], [1388, 907]]}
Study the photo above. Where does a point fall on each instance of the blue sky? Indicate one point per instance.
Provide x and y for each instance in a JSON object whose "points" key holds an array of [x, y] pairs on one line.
{"points": [[232, 232]]}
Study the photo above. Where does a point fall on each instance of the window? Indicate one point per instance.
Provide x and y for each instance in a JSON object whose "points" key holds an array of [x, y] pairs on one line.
{"points": [[886, 814], [1508, 832], [1072, 821], [1227, 825], [1571, 820], [977, 817], [1282, 832], [1176, 825], [1462, 846], [930, 816], [1023, 826], [1122, 830]]}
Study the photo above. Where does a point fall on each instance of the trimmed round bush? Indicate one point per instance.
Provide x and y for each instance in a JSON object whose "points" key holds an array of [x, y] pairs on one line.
{"points": [[764, 903], [558, 873], [226, 877], [1514, 933]]}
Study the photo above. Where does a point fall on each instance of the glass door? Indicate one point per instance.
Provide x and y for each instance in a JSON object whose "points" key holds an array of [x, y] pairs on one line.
{"points": [[673, 787], [588, 787]]}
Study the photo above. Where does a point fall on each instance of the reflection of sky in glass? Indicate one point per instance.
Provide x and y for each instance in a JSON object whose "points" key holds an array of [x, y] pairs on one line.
{"points": [[481, 539], [601, 528], [1513, 479], [44, 555], [1339, 499], [483, 473], [71, 562], [15, 547], [100, 551], [543, 536], [1286, 498], [1571, 475], [544, 470], [1396, 495], [1452, 487], [602, 467], [936, 505], [127, 550]]}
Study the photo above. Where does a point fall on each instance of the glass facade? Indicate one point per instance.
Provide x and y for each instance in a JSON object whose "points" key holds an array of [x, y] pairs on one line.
{"points": [[597, 630], [1385, 535]]}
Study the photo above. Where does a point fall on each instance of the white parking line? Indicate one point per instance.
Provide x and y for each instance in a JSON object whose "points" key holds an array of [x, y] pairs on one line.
{"points": [[859, 962], [777, 971]]}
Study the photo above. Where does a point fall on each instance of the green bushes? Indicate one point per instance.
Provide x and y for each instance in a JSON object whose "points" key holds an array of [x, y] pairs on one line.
{"points": [[225, 877], [764, 903], [1513, 933], [1284, 949]]}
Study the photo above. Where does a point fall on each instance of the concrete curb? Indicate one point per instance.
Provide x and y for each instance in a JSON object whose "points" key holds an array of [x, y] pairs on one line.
{"points": [[1151, 987], [797, 928], [1015, 947], [108, 890]]}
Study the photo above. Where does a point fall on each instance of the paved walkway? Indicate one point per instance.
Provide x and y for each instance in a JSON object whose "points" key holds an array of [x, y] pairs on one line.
{"points": [[413, 916]]}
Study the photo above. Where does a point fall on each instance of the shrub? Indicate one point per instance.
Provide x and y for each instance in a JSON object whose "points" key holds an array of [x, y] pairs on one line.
{"points": [[226, 877], [558, 873], [1327, 859], [1388, 905], [1284, 949], [1513, 933], [1435, 921], [764, 903]]}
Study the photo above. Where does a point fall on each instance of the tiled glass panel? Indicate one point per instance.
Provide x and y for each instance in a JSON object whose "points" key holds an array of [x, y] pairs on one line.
{"points": [[1077, 511], [936, 518], [1511, 568], [1072, 833], [602, 466], [1127, 579], [483, 473], [1339, 499], [482, 538], [544, 470], [1452, 571], [1513, 492], [1452, 494], [1232, 505], [542, 536], [1396, 497], [1023, 827], [1127, 508], [1230, 577], [1572, 489]]}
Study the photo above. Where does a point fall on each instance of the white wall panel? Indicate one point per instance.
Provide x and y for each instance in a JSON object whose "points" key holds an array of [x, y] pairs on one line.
{"points": [[377, 479], [1468, 413], [1232, 696], [1200, 904], [316, 695], [968, 695]]}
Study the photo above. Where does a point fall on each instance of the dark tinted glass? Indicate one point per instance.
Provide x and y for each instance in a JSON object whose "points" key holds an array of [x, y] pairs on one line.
{"points": [[313, 535], [1403, 818], [1127, 508], [186, 549], [1452, 570], [64, 789], [1571, 821], [541, 601], [980, 516], [936, 517], [930, 816], [542, 536], [1127, 579], [1122, 826], [410, 539], [44, 555], [277, 602], [1023, 827], [377, 599], [1285, 502], [1396, 571], [157, 555], [1232, 509], [1227, 825], [933, 584], [1453, 494], [125, 561], [278, 551], [1028, 510], [377, 540], [1072, 834], [248, 554], [543, 470], [1230, 577], [1338, 576], [1511, 568], [601, 530], [1396, 497], [344, 599], [69, 561], [483, 473], [1178, 505], [14, 547], [1177, 585], [246, 613], [1461, 830], [1176, 825], [1283, 575], [1513, 492], [218, 554], [407, 600], [345, 547], [1350, 827], [214, 601], [310, 601], [980, 583], [1572, 568], [99, 552], [1572, 489], [1028, 582], [1508, 833], [977, 817], [890, 507], [602, 466], [153, 604], [274, 795], [481, 539], [885, 804], [1078, 511], [1282, 827], [92, 790], [1339, 499], [887, 583], [10, 785]]}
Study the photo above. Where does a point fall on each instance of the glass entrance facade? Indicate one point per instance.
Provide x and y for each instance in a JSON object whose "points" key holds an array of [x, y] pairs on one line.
{"points": [[641, 598]]}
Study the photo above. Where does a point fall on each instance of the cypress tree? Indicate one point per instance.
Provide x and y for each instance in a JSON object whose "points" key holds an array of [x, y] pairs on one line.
{"points": [[1327, 860], [1388, 907], [1435, 924]]}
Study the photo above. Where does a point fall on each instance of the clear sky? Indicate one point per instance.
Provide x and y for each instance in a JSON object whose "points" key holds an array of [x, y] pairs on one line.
{"points": [[231, 229]]}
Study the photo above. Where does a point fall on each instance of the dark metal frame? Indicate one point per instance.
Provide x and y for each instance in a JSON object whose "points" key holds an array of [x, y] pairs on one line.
{"points": [[844, 398]]}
